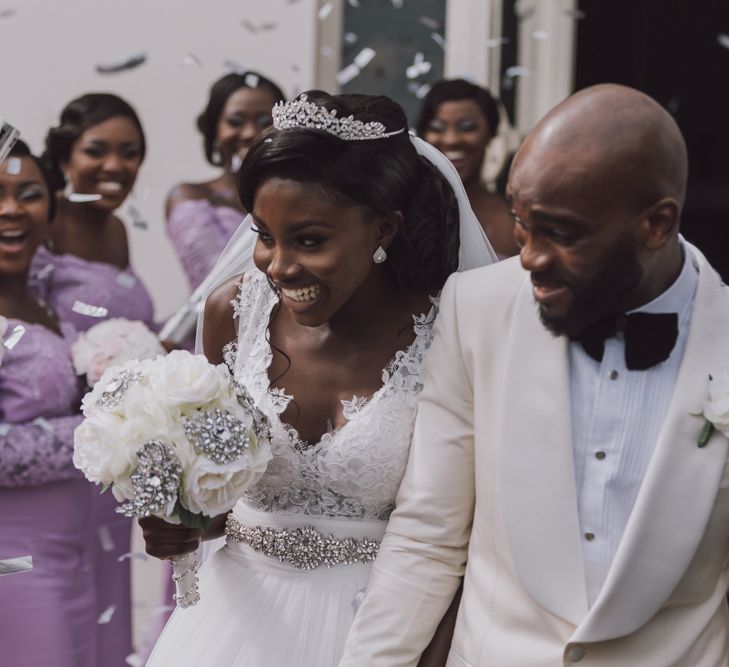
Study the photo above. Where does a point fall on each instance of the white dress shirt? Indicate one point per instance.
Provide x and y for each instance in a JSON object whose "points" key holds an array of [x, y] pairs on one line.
{"points": [[617, 415]]}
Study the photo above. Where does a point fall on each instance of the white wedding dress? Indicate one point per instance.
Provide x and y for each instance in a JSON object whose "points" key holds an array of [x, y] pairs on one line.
{"points": [[255, 609]]}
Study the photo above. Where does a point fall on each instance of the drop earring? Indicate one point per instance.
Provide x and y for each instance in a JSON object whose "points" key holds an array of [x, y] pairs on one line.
{"points": [[379, 256]]}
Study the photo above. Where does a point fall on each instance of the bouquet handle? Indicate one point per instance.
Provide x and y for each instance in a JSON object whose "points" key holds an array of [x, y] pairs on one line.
{"points": [[184, 574]]}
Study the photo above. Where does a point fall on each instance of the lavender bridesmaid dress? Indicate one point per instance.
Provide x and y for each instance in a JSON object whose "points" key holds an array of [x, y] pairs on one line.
{"points": [[62, 281], [48, 615], [199, 232]]}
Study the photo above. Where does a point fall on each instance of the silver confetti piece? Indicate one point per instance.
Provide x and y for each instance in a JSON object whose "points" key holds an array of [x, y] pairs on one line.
{"points": [[347, 74], [359, 598], [397, 4], [190, 60], [251, 80], [46, 271], [354, 3], [161, 609], [438, 39], [325, 10], [138, 220], [350, 38], [106, 615], [422, 91], [8, 136], [496, 41], [234, 67], [130, 62], [516, 70], [16, 565], [429, 22], [5, 429], [43, 424], [86, 309], [723, 40], [14, 338], [135, 660], [105, 538], [82, 198], [540, 35], [14, 165], [126, 280], [364, 57], [136, 555]]}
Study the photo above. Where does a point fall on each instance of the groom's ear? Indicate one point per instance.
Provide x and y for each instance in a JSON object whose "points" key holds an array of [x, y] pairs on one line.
{"points": [[387, 227]]}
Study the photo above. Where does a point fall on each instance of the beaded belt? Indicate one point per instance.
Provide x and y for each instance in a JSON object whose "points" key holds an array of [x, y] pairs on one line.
{"points": [[305, 548]]}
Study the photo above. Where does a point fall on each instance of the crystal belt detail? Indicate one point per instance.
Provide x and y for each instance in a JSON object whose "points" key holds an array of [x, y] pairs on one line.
{"points": [[305, 548]]}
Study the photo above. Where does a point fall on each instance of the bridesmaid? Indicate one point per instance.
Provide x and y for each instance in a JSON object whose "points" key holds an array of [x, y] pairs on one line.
{"points": [[201, 217], [460, 119], [97, 149], [48, 615]]}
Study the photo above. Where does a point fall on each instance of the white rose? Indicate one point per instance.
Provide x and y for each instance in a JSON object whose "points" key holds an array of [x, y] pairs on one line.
{"points": [[100, 450], [182, 378], [717, 409], [212, 489]]}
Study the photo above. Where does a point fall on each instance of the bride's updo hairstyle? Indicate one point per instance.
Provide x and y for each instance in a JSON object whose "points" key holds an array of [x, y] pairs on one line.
{"points": [[379, 175]]}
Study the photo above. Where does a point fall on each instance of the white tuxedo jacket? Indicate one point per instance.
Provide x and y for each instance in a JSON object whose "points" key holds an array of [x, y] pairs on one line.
{"points": [[490, 483]]}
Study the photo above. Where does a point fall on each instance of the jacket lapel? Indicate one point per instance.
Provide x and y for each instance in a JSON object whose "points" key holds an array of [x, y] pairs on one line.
{"points": [[540, 502], [680, 485]]}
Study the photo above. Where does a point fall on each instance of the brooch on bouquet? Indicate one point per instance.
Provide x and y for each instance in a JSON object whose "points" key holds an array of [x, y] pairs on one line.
{"points": [[174, 437], [716, 409]]}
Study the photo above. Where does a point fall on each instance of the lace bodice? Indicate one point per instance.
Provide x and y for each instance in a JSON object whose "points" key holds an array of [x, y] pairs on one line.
{"points": [[352, 472]]}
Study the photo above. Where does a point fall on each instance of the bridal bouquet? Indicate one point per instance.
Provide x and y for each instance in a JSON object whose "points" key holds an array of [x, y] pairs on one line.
{"points": [[174, 437], [112, 343]]}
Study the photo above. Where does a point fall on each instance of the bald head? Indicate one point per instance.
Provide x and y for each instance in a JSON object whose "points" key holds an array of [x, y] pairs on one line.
{"points": [[616, 136]]}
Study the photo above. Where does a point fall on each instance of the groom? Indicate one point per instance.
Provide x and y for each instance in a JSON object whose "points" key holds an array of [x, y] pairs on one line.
{"points": [[555, 459]]}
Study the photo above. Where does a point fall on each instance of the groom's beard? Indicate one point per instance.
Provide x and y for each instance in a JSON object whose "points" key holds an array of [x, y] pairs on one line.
{"points": [[603, 295]]}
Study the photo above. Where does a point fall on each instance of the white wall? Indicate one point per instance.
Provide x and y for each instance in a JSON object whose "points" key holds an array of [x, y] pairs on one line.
{"points": [[48, 53]]}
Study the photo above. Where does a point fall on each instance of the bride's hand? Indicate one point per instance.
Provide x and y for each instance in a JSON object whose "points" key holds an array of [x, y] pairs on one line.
{"points": [[166, 540]]}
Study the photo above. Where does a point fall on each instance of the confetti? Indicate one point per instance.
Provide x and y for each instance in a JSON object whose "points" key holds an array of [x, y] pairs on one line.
{"points": [[46, 271], [397, 4], [524, 8], [723, 40], [106, 615], [135, 660], [346, 75], [233, 66], [419, 67], [14, 338], [91, 311], [8, 136], [358, 598], [422, 91], [673, 104], [162, 609], [105, 538], [190, 60], [126, 280], [350, 38], [364, 57], [577, 14], [251, 80], [429, 22], [325, 10], [354, 3], [5, 429], [438, 39], [81, 198], [137, 555], [135, 60], [540, 35], [327, 51], [137, 219], [496, 41], [44, 425], [516, 70], [16, 565], [14, 165]]}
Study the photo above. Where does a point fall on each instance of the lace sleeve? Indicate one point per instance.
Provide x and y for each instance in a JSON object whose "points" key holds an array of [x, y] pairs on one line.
{"points": [[197, 237], [37, 452]]}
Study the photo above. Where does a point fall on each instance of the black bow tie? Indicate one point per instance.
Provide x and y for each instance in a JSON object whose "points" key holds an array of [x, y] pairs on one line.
{"points": [[649, 337]]}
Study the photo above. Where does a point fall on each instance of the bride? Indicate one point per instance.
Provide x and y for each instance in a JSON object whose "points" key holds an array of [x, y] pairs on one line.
{"points": [[354, 228]]}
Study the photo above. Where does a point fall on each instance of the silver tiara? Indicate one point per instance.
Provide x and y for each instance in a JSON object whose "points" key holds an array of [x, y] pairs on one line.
{"points": [[300, 113]]}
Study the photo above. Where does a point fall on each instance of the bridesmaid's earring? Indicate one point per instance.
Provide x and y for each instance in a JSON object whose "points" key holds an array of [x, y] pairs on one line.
{"points": [[379, 256], [68, 187]]}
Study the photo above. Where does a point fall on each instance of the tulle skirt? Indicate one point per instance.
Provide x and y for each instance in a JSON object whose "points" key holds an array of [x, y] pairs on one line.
{"points": [[258, 612]]}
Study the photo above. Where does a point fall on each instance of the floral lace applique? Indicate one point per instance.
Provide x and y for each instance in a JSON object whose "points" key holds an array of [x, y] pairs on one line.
{"points": [[353, 472]]}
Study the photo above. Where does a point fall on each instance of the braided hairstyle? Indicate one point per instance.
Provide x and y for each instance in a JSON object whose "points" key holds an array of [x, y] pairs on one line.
{"points": [[379, 175]]}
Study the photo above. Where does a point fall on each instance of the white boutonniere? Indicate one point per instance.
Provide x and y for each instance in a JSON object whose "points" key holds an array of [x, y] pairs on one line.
{"points": [[716, 409]]}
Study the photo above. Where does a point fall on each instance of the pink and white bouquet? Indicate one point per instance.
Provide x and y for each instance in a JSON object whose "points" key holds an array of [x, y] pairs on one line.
{"points": [[174, 437], [112, 343]]}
